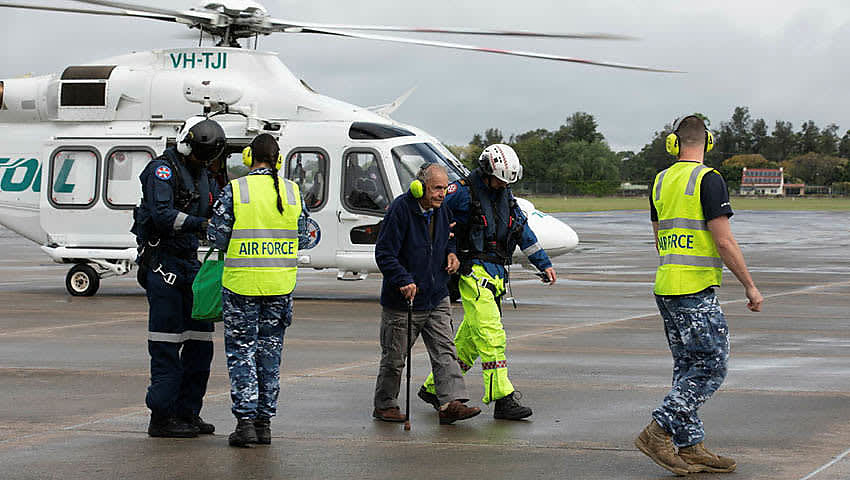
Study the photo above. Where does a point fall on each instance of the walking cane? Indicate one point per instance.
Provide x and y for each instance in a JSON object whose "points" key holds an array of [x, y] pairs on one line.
{"points": [[407, 408]]}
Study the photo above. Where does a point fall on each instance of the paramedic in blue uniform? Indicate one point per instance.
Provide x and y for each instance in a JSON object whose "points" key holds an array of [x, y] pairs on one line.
{"points": [[177, 194]]}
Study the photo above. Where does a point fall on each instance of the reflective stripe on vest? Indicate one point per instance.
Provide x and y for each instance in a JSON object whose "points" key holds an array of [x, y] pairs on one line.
{"points": [[689, 261], [263, 250]]}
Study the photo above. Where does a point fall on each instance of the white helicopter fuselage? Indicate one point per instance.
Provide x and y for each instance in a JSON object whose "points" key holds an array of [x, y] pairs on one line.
{"points": [[73, 145]]}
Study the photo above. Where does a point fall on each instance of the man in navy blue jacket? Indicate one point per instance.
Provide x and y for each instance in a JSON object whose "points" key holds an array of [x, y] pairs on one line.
{"points": [[416, 254]]}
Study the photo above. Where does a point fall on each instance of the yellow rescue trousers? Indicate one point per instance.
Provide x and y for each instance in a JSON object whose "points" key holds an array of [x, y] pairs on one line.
{"points": [[481, 333]]}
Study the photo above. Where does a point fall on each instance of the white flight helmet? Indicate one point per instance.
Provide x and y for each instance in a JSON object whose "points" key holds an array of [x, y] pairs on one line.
{"points": [[502, 162]]}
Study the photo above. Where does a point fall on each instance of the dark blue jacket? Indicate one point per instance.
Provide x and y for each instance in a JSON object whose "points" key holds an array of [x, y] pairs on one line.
{"points": [[458, 200], [176, 222], [405, 254]]}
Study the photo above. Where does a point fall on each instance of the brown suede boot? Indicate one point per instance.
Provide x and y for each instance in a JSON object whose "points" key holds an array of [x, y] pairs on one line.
{"points": [[657, 444], [701, 460]]}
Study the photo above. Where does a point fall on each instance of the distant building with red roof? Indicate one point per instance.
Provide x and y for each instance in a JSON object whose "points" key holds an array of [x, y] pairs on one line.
{"points": [[767, 181]]}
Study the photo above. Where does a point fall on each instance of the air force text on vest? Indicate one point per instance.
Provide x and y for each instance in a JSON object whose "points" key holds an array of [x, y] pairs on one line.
{"points": [[675, 240], [272, 247]]}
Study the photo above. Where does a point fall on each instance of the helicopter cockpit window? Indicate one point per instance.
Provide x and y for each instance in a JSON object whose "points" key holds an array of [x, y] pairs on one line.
{"points": [[73, 178], [123, 167], [309, 169], [364, 185], [408, 159]]}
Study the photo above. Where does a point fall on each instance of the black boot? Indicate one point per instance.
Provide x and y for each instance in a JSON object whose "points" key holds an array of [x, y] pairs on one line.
{"points": [[264, 430], [203, 427], [171, 427], [508, 408], [428, 397], [244, 433]]}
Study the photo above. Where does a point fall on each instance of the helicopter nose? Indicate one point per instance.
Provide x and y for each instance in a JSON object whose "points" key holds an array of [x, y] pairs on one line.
{"points": [[560, 236], [555, 236]]}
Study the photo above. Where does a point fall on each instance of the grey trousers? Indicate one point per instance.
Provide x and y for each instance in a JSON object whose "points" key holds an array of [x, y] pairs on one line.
{"points": [[436, 329]]}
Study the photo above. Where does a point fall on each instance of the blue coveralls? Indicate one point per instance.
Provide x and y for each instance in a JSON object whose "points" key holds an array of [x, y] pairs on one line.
{"points": [[168, 222], [254, 326]]}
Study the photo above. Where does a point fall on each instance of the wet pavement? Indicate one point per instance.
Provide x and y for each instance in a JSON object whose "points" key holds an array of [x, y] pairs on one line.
{"points": [[588, 354]]}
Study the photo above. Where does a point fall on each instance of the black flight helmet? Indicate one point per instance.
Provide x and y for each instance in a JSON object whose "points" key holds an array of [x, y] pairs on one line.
{"points": [[207, 140]]}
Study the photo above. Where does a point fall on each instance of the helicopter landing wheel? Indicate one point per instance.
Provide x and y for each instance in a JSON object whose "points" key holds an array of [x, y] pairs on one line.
{"points": [[82, 280]]}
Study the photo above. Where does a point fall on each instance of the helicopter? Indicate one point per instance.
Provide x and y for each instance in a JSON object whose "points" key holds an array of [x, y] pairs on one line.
{"points": [[75, 142]]}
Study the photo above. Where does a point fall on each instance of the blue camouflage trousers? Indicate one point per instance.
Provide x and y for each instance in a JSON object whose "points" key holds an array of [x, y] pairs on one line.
{"points": [[699, 341], [253, 341]]}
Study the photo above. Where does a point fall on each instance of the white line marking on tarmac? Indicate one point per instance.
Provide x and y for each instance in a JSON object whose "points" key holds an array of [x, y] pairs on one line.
{"points": [[827, 465], [645, 315]]}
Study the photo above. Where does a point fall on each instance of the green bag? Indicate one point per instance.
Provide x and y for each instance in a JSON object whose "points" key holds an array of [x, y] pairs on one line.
{"points": [[206, 289]]}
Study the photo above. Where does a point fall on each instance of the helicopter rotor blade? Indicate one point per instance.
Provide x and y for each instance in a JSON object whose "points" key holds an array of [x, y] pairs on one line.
{"points": [[451, 30], [473, 48], [90, 12], [192, 17]]}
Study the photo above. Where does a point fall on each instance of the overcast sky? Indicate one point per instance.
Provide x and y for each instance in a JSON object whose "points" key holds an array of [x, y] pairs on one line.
{"points": [[784, 60]]}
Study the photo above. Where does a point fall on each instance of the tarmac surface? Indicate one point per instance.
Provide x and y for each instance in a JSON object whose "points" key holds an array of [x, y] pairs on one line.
{"points": [[588, 354]]}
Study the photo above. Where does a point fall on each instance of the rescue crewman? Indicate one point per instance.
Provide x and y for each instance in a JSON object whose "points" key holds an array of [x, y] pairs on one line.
{"points": [[489, 227], [177, 196], [690, 210], [260, 223]]}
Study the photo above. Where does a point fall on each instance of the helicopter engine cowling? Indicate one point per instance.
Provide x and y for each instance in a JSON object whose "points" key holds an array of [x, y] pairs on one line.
{"points": [[19, 99]]}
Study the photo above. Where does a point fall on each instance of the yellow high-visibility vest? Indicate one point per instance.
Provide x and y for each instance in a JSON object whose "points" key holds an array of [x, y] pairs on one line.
{"points": [[263, 252], [689, 261]]}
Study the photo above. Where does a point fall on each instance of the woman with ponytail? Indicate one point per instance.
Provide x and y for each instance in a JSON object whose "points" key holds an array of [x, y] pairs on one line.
{"points": [[259, 221]]}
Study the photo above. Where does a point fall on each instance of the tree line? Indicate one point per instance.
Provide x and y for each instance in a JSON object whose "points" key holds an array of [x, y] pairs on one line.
{"points": [[575, 159]]}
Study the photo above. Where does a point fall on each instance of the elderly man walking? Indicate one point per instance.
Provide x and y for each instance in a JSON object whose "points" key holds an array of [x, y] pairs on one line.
{"points": [[416, 255]]}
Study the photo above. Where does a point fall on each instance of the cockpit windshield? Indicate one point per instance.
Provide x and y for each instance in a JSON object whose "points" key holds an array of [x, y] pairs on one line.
{"points": [[408, 159]]}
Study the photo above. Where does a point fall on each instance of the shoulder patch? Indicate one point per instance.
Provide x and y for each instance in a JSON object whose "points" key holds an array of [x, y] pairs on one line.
{"points": [[163, 172], [452, 189]]}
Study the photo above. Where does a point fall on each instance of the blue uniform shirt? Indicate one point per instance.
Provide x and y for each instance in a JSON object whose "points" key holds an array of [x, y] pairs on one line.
{"points": [[458, 200]]}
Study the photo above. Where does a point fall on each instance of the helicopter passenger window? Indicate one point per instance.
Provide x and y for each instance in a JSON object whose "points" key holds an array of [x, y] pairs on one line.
{"points": [[408, 159], [123, 167], [309, 169], [73, 178], [364, 185]]}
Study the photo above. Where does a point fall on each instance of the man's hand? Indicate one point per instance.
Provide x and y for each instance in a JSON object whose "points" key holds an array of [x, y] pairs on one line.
{"points": [[754, 299], [408, 291], [452, 264], [550, 275], [451, 227]]}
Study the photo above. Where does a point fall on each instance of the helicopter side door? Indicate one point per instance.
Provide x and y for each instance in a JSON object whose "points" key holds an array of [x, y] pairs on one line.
{"points": [[364, 201], [309, 167], [90, 186]]}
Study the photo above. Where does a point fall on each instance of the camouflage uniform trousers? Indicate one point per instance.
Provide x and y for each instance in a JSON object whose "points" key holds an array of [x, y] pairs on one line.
{"points": [[253, 341], [699, 341]]}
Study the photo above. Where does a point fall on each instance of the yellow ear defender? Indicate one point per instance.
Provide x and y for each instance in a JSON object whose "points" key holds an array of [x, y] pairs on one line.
{"points": [[672, 142], [248, 160], [417, 189]]}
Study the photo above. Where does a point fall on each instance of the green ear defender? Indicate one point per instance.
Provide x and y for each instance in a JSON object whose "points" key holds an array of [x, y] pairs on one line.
{"points": [[417, 189]]}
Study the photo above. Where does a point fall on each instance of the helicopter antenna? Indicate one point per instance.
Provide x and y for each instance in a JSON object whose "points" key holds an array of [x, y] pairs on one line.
{"points": [[201, 37]]}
